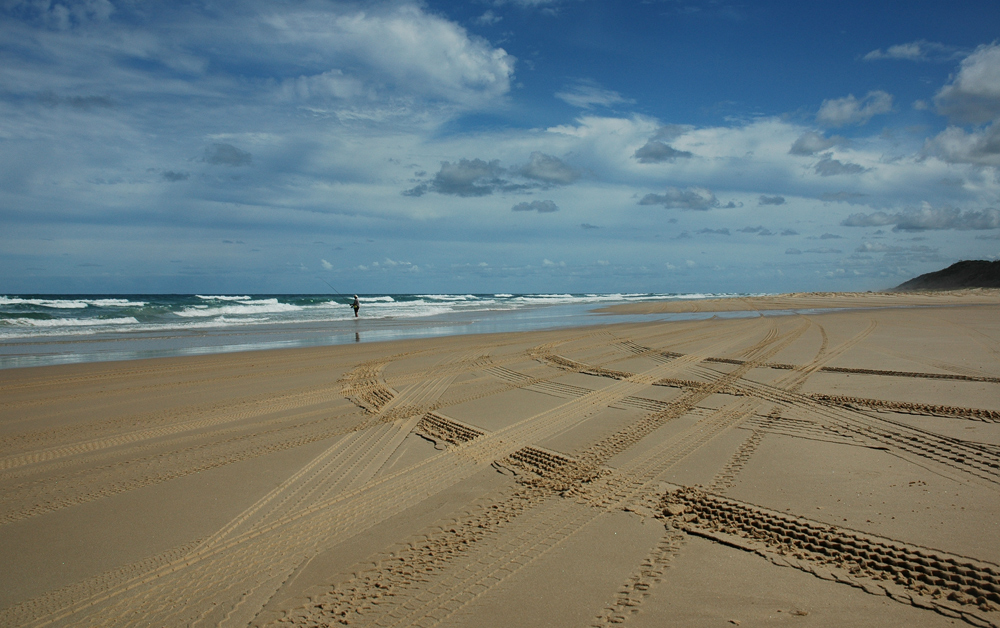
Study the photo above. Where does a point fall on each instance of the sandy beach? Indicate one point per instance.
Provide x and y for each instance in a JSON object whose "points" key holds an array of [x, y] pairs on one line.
{"points": [[820, 469]]}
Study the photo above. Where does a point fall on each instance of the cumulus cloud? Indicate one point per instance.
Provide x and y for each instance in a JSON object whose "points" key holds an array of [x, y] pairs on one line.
{"points": [[928, 218], [954, 145], [476, 177], [810, 143], [588, 94], [973, 95], [771, 200], [686, 198], [920, 50], [403, 48], [849, 110], [542, 207], [467, 177], [828, 167], [548, 169], [227, 155], [655, 151]]}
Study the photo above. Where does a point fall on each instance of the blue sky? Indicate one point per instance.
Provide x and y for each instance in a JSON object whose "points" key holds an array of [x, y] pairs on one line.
{"points": [[495, 145]]}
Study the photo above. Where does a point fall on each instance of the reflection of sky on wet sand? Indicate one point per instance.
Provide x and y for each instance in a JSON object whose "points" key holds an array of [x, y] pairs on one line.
{"points": [[139, 345]]}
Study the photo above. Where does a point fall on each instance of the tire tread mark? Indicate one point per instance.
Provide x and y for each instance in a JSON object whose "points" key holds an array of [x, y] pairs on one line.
{"points": [[947, 582]]}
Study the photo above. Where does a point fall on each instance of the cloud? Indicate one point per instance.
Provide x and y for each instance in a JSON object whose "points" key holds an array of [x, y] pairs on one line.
{"points": [[828, 167], [476, 177], [587, 94], [851, 198], [851, 111], [172, 176], [548, 169], [655, 151], [687, 198], [793, 252], [974, 93], [588, 226], [542, 207], [227, 155], [327, 265], [65, 15], [49, 98], [928, 218], [401, 48], [489, 18], [955, 146], [810, 143], [771, 200], [920, 50], [722, 231], [466, 178], [761, 231]]}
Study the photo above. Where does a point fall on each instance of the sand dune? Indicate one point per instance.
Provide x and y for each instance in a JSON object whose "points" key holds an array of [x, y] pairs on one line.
{"points": [[823, 470]]}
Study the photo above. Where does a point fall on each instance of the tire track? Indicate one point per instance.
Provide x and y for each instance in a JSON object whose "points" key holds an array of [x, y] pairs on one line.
{"points": [[540, 470], [260, 553], [953, 585]]}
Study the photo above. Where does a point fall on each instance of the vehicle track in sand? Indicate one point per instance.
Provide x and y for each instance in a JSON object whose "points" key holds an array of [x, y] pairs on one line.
{"points": [[546, 525], [957, 586]]}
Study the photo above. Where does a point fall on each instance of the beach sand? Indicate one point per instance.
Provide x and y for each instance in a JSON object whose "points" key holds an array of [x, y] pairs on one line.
{"points": [[828, 469]]}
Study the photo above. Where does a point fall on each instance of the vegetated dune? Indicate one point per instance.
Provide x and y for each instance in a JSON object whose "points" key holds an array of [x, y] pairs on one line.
{"points": [[965, 274]]}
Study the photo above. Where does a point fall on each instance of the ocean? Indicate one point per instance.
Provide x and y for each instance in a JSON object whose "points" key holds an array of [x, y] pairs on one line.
{"points": [[37, 330]]}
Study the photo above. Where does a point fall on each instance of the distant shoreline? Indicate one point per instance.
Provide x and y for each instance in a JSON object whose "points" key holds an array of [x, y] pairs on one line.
{"points": [[810, 300]]}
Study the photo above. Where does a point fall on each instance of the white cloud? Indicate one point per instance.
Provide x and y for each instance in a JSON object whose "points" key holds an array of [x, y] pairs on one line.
{"points": [[587, 95], [851, 111], [920, 50], [327, 265], [404, 47], [489, 18], [974, 94]]}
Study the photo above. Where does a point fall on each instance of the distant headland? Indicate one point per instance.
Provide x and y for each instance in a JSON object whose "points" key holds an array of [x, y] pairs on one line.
{"points": [[960, 275]]}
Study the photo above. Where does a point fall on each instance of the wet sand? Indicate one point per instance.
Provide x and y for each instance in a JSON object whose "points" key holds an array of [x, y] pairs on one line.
{"points": [[826, 469]]}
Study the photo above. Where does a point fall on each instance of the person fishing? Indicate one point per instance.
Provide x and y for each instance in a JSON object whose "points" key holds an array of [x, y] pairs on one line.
{"points": [[356, 305]]}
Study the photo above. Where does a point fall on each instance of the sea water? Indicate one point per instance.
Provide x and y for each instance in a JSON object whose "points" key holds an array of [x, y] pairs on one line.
{"points": [[56, 329]]}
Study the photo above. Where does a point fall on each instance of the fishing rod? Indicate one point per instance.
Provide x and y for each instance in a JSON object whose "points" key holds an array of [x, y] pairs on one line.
{"points": [[331, 286]]}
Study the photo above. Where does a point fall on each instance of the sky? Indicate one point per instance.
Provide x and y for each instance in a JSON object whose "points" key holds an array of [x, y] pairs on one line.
{"points": [[484, 146]]}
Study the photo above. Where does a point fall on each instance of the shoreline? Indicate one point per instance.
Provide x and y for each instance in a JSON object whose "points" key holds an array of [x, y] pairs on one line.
{"points": [[812, 300], [137, 345]]}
